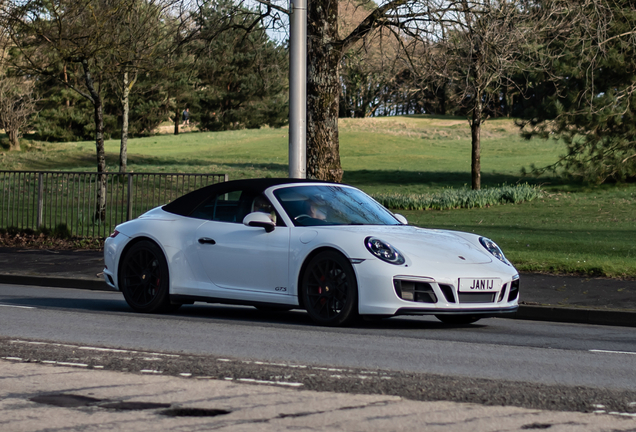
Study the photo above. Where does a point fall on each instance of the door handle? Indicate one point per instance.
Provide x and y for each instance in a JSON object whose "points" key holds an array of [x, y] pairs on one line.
{"points": [[206, 240]]}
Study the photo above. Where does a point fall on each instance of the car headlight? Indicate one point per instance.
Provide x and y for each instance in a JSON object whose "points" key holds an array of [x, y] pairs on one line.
{"points": [[384, 251], [492, 247]]}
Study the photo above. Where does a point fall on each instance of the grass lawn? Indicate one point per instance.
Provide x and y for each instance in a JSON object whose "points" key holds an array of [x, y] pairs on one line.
{"points": [[589, 233], [572, 229]]}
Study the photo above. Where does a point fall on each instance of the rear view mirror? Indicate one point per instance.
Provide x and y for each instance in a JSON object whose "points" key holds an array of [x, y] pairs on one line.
{"points": [[401, 219], [259, 219]]}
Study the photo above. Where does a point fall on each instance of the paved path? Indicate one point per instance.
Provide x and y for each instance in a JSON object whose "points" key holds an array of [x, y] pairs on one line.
{"points": [[39, 397], [543, 297]]}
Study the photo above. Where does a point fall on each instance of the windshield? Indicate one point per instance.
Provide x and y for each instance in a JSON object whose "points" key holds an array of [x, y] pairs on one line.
{"points": [[332, 205]]}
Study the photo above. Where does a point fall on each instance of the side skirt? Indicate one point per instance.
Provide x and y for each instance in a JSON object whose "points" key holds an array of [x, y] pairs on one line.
{"points": [[190, 299]]}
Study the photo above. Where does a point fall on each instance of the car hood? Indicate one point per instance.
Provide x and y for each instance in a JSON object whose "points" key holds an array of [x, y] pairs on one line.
{"points": [[433, 246]]}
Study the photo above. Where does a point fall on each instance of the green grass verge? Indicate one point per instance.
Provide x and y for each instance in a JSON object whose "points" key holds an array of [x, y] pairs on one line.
{"points": [[572, 229], [588, 233]]}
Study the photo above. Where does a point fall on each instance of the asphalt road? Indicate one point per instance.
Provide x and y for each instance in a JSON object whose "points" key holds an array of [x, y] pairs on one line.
{"points": [[497, 361]]}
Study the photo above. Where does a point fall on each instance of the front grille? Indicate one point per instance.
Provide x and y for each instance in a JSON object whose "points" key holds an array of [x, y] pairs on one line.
{"points": [[514, 290], [487, 297], [421, 292]]}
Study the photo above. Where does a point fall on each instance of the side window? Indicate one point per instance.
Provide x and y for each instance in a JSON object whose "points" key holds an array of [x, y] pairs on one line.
{"points": [[222, 207], [233, 206], [226, 207]]}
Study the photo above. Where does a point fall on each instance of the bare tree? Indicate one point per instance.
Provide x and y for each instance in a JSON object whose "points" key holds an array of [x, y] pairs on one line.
{"points": [[17, 106], [474, 48], [147, 30], [326, 45], [50, 35]]}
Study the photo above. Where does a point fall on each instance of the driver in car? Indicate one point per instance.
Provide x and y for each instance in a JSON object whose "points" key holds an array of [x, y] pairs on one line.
{"points": [[316, 210]]}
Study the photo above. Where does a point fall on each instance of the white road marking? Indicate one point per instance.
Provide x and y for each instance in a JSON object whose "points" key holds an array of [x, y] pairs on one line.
{"points": [[186, 375], [150, 371], [64, 363], [72, 364], [255, 381], [283, 383], [613, 352], [90, 348], [13, 358], [17, 307]]}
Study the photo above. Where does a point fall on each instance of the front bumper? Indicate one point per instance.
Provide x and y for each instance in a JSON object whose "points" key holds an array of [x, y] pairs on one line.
{"points": [[484, 313], [440, 295], [112, 251]]}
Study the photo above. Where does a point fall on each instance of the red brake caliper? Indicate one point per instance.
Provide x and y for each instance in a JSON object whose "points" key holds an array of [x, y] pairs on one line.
{"points": [[322, 300]]}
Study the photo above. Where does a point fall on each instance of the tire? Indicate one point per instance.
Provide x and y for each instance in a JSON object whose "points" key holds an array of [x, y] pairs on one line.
{"points": [[329, 290], [144, 279], [458, 319]]}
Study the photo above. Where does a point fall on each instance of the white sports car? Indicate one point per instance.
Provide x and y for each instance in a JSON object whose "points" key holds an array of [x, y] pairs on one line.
{"points": [[328, 248]]}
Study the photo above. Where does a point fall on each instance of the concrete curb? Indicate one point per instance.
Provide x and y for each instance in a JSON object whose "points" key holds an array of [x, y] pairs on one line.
{"points": [[56, 282], [526, 312], [576, 315]]}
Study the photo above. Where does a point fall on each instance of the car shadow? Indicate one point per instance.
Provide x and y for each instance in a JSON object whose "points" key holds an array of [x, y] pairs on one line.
{"points": [[88, 305], [249, 314]]}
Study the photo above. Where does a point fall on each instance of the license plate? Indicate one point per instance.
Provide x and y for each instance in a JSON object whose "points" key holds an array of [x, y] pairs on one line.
{"points": [[479, 284]]}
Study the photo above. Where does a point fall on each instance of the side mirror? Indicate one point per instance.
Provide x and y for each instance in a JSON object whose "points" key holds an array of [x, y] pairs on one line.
{"points": [[401, 219], [259, 219]]}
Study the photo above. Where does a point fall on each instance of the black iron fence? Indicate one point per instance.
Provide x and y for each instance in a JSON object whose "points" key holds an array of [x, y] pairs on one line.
{"points": [[88, 204]]}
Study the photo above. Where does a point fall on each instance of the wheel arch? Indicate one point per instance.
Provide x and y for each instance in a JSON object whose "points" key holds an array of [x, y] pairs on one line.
{"points": [[306, 261], [133, 242]]}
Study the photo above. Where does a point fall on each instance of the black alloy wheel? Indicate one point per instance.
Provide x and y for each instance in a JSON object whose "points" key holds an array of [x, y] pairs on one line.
{"points": [[144, 279], [329, 289], [458, 319]]}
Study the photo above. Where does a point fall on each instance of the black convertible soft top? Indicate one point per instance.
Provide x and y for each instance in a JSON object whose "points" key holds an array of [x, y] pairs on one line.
{"points": [[186, 204]]}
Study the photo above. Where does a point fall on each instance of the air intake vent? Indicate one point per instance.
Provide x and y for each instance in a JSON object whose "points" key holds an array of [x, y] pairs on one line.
{"points": [[447, 290], [514, 290], [486, 297], [414, 291], [501, 294]]}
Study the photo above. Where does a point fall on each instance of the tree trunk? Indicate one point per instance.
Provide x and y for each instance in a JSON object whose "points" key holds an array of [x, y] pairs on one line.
{"points": [[475, 131], [14, 141], [176, 120], [100, 206], [123, 148], [323, 90], [442, 100], [504, 100], [68, 102]]}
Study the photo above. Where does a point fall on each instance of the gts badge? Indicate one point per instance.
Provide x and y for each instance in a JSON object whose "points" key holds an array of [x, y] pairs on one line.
{"points": [[281, 289]]}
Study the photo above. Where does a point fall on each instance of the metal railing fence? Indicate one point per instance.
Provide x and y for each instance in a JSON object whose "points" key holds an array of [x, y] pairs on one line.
{"points": [[47, 199]]}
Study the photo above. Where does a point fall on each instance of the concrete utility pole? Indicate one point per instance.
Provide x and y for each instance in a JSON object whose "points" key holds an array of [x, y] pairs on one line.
{"points": [[298, 89]]}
